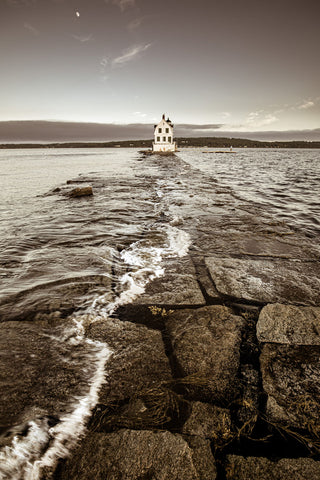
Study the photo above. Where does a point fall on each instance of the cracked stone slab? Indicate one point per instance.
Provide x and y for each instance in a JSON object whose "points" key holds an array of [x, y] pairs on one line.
{"points": [[208, 421], [138, 361], [291, 378], [137, 455], [178, 286], [172, 289], [206, 343], [267, 280], [236, 234], [259, 468], [289, 324]]}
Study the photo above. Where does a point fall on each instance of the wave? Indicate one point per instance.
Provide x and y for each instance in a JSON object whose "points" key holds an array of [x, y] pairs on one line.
{"points": [[44, 445]]}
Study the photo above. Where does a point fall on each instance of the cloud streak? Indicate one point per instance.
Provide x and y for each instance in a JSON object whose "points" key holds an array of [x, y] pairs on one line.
{"points": [[31, 29], [135, 23], [123, 4], [130, 54], [83, 38], [21, 3], [259, 119], [306, 105]]}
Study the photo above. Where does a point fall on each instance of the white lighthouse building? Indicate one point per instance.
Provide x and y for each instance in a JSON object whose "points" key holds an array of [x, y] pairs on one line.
{"points": [[163, 136]]}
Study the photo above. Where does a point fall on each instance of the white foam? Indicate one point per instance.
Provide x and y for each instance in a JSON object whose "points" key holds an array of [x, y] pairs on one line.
{"points": [[147, 263], [22, 460], [17, 458], [72, 426], [179, 241]]}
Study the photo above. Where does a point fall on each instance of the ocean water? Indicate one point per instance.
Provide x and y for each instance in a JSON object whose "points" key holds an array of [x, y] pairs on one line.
{"points": [[286, 182], [66, 263]]}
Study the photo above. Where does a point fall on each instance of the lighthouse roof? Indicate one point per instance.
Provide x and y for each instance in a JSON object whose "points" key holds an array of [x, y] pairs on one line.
{"points": [[164, 121]]}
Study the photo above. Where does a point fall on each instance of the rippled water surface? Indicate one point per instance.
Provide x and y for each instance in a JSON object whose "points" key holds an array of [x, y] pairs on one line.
{"points": [[284, 181], [66, 262]]}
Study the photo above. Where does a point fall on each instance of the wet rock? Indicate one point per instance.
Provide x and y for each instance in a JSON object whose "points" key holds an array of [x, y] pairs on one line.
{"points": [[243, 230], [291, 378], [267, 281], [206, 344], [39, 372], [179, 286], [172, 289], [259, 468], [137, 455], [52, 300], [208, 421], [80, 192], [288, 324], [139, 361]]}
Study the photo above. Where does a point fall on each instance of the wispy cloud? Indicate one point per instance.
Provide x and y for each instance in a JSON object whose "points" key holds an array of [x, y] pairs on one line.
{"points": [[140, 114], [130, 54], [135, 23], [123, 4], [31, 29], [104, 62], [83, 38], [260, 119], [21, 3], [305, 105]]}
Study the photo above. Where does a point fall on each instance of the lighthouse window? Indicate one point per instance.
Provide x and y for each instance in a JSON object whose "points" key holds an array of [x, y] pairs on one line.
{"points": [[167, 130], [169, 139], [163, 139], [158, 139], [160, 130]]}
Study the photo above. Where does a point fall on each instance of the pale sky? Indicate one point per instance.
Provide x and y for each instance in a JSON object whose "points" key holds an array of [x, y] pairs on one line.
{"points": [[238, 66]]}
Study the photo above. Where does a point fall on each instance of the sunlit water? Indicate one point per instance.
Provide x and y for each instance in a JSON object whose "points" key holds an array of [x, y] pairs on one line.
{"points": [[66, 263]]}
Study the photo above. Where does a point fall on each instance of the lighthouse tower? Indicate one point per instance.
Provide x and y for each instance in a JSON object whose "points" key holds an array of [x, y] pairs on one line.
{"points": [[163, 136]]}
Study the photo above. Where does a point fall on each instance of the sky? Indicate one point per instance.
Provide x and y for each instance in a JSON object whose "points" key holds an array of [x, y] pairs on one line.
{"points": [[212, 66]]}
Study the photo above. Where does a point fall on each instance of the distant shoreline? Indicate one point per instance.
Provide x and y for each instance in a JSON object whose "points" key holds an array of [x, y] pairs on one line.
{"points": [[203, 142]]}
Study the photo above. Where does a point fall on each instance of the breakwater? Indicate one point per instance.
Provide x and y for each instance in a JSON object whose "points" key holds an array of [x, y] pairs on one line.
{"points": [[199, 321]]}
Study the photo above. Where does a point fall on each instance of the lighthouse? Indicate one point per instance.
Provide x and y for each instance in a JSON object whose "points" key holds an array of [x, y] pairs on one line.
{"points": [[163, 136]]}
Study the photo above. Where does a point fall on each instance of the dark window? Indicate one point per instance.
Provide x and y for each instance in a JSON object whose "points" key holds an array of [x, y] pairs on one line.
{"points": [[158, 139], [169, 139], [163, 139], [167, 130], [160, 130]]}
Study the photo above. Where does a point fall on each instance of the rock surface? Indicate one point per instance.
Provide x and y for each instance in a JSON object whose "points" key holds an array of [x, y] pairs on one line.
{"points": [[207, 421], [206, 344], [259, 468], [291, 378], [288, 324], [139, 359], [172, 289], [80, 192], [39, 372], [137, 455], [178, 286], [55, 299], [268, 280]]}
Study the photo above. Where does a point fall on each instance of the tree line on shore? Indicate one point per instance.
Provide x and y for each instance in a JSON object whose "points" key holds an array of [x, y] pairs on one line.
{"points": [[209, 142]]}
